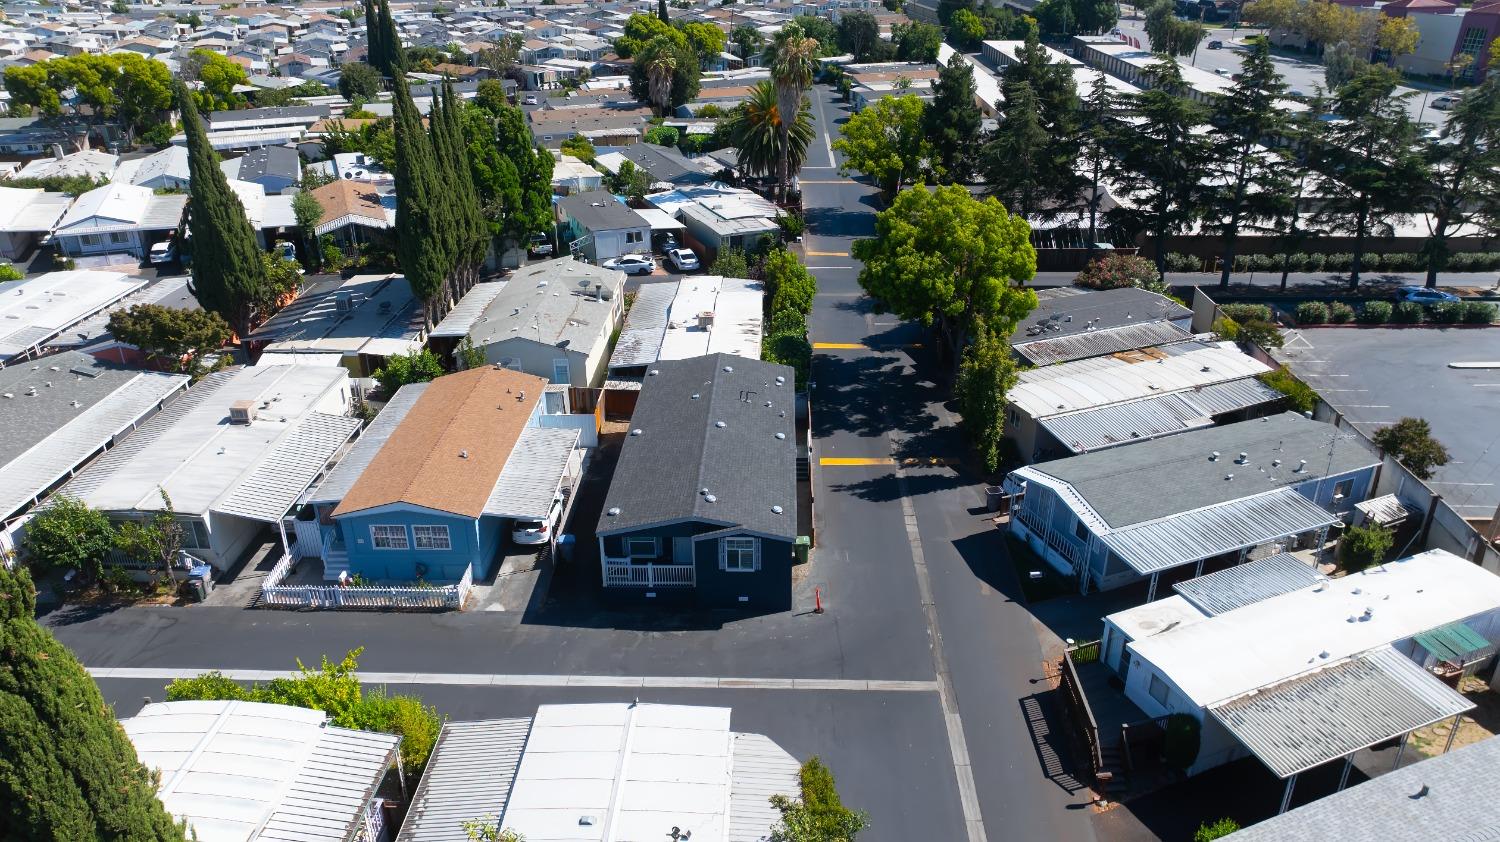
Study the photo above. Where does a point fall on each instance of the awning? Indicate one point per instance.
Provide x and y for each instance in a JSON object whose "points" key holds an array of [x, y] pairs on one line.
{"points": [[1335, 711], [1455, 643], [659, 220], [1387, 510], [533, 473], [275, 484]]}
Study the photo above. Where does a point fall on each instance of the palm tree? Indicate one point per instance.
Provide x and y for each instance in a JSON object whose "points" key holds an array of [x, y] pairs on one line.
{"points": [[755, 129], [793, 61], [661, 70]]}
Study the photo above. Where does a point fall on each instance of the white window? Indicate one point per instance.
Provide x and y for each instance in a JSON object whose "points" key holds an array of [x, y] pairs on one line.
{"points": [[632, 237], [431, 537], [560, 372], [740, 555], [389, 537], [1159, 690], [640, 548]]}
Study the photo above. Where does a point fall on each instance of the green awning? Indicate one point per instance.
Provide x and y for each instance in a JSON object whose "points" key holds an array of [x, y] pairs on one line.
{"points": [[1454, 642]]}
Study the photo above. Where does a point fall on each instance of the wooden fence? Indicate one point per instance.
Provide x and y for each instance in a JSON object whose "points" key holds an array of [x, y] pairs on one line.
{"points": [[431, 597], [1081, 717]]}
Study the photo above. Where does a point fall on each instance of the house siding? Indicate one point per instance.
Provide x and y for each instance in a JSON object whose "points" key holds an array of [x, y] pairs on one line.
{"points": [[767, 589], [464, 535]]}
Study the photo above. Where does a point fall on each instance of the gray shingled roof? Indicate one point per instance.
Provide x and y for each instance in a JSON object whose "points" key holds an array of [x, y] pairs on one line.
{"points": [[271, 160], [599, 210], [552, 302], [664, 164], [58, 381], [1155, 479], [681, 450], [1095, 311]]}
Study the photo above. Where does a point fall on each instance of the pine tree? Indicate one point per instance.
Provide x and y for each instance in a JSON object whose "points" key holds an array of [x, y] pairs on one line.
{"points": [[1098, 124], [229, 276], [67, 769], [954, 120], [418, 213], [1019, 175]]}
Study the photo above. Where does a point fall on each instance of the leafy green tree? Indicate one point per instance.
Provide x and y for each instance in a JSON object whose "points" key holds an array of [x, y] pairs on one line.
{"points": [[488, 829], [157, 540], [67, 769], [308, 212], [1376, 173], [821, 30], [705, 39], [789, 285], [178, 337], [888, 142], [68, 534], [411, 367], [579, 147], [469, 355], [1363, 546], [1256, 186], [1463, 163], [1168, 34], [748, 39], [953, 121], [916, 41], [859, 35], [504, 57], [1017, 161], [966, 30], [31, 89], [1160, 165], [219, 76], [661, 136], [629, 181], [665, 72], [793, 56], [987, 373], [754, 128], [730, 263], [357, 79], [142, 93], [490, 95], [1341, 63], [229, 277], [641, 29], [283, 277], [1411, 442], [950, 261]]}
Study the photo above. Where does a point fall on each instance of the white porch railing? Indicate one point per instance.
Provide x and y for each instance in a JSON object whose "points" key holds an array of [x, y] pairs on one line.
{"points": [[441, 597], [1063, 547], [625, 574]]}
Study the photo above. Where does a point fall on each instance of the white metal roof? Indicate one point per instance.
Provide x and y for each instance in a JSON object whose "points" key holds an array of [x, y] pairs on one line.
{"points": [[271, 487], [533, 473], [31, 210], [468, 776], [240, 771], [735, 304], [1282, 636], [761, 769], [467, 311], [194, 453], [379, 317], [122, 207], [623, 771], [36, 309], [50, 460], [1084, 384], [640, 339], [659, 220]]}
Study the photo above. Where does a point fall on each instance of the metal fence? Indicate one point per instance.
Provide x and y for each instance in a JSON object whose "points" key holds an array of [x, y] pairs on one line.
{"points": [[431, 597]]}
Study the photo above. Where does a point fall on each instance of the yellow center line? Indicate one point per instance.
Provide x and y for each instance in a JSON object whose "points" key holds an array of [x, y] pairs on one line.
{"points": [[856, 460], [826, 181], [858, 346], [811, 253]]}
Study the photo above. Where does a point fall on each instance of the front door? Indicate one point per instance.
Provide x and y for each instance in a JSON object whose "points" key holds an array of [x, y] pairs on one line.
{"points": [[682, 550]]}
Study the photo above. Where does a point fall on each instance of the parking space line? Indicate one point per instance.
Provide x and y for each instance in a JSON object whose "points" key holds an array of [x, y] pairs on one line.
{"points": [[871, 685]]}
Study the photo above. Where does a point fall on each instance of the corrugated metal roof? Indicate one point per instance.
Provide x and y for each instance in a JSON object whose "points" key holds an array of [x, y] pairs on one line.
{"points": [[1384, 510], [533, 473], [1111, 426], [467, 311], [1248, 583], [339, 480], [1334, 711], [1247, 522], [274, 485], [1046, 350], [1087, 384], [468, 777], [1231, 396], [327, 798], [50, 460], [761, 769], [645, 325], [36, 309], [1455, 643]]}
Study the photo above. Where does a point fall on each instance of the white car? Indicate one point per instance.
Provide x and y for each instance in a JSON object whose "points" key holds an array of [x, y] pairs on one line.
{"points": [[163, 253], [683, 259], [531, 532], [632, 264], [1445, 102]]}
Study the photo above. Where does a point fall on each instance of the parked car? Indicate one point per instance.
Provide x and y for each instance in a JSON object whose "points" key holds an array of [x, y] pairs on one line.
{"points": [[1423, 295], [541, 244], [1216, 44], [531, 532], [683, 260], [163, 253], [1445, 102], [632, 264], [529, 100], [1221, 71]]}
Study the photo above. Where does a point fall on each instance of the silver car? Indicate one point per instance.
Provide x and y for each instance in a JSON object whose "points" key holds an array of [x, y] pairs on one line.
{"points": [[632, 264], [683, 260]]}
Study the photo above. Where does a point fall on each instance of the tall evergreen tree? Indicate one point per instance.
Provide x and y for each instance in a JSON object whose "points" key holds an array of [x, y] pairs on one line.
{"points": [[953, 120], [1097, 126], [661, 11], [1254, 184], [419, 214], [1160, 164], [1464, 161], [1056, 97], [374, 50], [67, 769], [1018, 172], [448, 226], [229, 276], [471, 229], [393, 55], [1375, 171]]}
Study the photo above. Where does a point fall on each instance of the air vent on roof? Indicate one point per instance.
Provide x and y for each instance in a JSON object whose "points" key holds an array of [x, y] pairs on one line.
{"points": [[719, 424], [613, 511], [776, 510], [242, 412]]}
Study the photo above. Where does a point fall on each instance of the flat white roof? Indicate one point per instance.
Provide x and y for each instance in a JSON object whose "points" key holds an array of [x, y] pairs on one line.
{"points": [[238, 771], [1010, 49], [736, 325], [1100, 381], [1153, 618], [623, 771], [1267, 642], [192, 451], [36, 309]]}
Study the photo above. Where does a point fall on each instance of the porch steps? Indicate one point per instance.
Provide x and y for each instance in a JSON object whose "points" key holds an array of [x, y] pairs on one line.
{"points": [[334, 563]]}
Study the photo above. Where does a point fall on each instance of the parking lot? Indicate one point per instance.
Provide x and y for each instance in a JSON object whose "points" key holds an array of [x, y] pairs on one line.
{"points": [[1376, 376]]}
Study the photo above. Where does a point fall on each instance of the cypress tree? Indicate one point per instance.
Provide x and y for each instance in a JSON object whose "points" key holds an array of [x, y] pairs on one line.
{"points": [[476, 229], [229, 276], [67, 769], [661, 11], [445, 201], [390, 42], [375, 51], [422, 255]]}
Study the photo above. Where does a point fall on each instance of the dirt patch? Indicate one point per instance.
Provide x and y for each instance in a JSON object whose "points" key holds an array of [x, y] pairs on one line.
{"points": [[1481, 723]]}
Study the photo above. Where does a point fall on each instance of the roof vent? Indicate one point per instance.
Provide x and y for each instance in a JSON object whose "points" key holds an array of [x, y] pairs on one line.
{"points": [[710, 498], [636, 431], [613, 510], [1244, 457], [1275, 463], [780, 381], [1213, 457], [1301, 465], [776, 510], [653, 372], [728, 368], [719, 424], [695, 396], [463, 454], [242, 412], [586, 821], [781, 436], [1229, 476]]}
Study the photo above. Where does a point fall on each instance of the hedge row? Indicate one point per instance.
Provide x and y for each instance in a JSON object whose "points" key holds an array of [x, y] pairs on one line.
{"points": [[1406, 312], [1476, 261]]}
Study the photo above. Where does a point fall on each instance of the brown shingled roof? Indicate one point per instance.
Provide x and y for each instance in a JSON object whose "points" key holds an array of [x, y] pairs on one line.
{"points": [[480, 413]]}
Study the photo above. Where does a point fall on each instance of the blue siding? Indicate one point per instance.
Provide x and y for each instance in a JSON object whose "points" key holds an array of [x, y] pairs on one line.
{"points": [[492, 535], [1321, 492], [766, 589], [442, 565]]}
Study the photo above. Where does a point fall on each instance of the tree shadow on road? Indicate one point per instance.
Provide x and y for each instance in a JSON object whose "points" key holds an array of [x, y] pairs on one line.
{"points": [[841, 222]]}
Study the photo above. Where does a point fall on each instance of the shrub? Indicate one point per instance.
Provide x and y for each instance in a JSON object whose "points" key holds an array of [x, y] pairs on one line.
{"points": [[819, 814], [1265, 334], [1408, 313], [1183, 739], [411, 367], [10, 273], [1246, 312], [1312, 313], [1400, 262], [1226, 328], [787, 321], [1264, 262], [66, 534], [661, 135], [1299, 394], [791, 286], [1410, 441], [1364, 546], [1369, 261], [1339, 262], [730, 263], [1478, 312], [1446, 312], [210, 686], [791, 349], [1375, 312], [1179, 262], [1113, 271], [1313, 262], [792, 225], [1218, 830], [1340, 313]]}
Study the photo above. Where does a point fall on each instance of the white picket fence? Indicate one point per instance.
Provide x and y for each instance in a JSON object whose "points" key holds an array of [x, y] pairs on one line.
{"points": [[438, 597]]}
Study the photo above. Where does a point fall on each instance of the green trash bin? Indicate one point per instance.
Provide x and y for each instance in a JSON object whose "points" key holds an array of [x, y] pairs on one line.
{"points": [[802, 545]]}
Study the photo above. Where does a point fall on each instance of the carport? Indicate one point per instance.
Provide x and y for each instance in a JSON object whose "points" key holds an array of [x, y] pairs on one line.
{"points": [[546, 461], [663, 225]]}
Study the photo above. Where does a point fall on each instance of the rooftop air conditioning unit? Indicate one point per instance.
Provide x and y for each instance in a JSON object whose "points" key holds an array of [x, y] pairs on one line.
{"points": [[343, 302], [242, 412], [706, 319]]}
